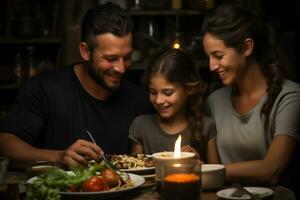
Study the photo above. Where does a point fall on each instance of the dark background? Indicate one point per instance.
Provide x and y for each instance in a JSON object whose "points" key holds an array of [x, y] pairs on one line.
{"points": [[50, 30]]}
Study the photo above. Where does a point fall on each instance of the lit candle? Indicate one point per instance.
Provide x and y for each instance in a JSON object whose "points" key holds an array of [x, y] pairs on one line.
{"points": [[165, 158], [177, 148]]}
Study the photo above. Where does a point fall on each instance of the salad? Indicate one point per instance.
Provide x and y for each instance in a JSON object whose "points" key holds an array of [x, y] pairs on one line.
{"points": [[96, 177]]}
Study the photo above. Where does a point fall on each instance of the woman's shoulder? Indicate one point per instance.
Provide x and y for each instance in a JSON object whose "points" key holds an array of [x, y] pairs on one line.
{"points": [[220, 92], [289, 95], [290, 86], [290, 90]]}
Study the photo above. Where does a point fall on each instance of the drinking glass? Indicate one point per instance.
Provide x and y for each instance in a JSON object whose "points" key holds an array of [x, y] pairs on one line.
{"points": [[3, 168], [182, 180], [39, 167]]}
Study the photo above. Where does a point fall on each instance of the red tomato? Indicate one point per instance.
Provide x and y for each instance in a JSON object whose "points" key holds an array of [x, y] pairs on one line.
{"points": [[93, 184], [110, 177]]}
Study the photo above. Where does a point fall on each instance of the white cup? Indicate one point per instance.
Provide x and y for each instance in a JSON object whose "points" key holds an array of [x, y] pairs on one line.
{"points": [[3, 168]]}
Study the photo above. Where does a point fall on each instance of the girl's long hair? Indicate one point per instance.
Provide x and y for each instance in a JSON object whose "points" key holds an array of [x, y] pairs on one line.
{"points": [[179, 68]]}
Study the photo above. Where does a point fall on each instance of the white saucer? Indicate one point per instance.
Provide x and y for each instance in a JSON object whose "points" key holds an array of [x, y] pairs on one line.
{"points": [[260, 191]]}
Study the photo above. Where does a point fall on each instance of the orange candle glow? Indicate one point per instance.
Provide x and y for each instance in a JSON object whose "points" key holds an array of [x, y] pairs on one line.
{"points": [[181, 186]]}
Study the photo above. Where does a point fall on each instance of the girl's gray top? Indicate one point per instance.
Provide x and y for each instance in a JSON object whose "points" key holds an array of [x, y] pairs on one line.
{"points": [[242, 137], [145, 130]]}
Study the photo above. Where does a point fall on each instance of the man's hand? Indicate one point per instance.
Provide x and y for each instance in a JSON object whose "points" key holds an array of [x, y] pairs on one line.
{"points": [[80, 152]]}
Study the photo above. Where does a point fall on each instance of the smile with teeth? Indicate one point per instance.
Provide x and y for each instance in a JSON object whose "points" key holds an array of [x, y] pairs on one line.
{"points": [[222, 73], [163, 108]]}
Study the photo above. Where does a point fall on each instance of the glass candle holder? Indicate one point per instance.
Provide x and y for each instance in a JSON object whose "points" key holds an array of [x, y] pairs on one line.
{"points": [[163, 158], [182, 180]]}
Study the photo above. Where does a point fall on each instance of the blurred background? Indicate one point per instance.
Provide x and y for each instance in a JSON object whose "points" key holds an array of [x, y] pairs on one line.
{"points": [[40, 35]]}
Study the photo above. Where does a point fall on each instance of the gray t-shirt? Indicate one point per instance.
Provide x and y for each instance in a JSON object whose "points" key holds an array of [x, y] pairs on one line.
{"points": [[242, 137], [145, 130]]}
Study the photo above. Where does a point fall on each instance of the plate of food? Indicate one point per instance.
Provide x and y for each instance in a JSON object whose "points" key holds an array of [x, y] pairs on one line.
{"points": [[97, 181], [234, 193], [133, 163]]}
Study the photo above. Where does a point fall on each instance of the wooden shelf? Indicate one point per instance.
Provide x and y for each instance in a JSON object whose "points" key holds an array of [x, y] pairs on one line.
{"points": [[9, 86], [163, 12], [142, 65], [34, 41]]}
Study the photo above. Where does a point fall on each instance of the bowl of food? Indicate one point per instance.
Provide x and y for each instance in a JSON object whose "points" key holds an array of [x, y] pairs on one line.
{"points": [[213, 176]]}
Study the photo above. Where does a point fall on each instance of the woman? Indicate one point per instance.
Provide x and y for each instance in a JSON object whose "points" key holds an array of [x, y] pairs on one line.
{"points": [[257, 112]]}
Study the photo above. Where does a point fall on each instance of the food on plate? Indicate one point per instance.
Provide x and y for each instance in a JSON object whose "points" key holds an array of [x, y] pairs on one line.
{"points": [[93, 184], [110, 177], [94, 178], [131, 161]]}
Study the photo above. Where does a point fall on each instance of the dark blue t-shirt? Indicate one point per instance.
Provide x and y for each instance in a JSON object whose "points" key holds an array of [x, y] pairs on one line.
{"points": [[53, 110]]}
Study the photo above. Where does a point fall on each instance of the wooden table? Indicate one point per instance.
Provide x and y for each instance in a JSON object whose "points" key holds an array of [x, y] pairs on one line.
{"points": [[280, 193], [148, 192]]}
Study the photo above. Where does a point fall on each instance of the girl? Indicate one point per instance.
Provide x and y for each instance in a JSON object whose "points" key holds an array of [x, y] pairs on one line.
{"points": [[177, 94], [257, 112]]}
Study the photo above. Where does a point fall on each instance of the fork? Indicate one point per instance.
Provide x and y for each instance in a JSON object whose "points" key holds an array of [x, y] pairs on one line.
{"points": [[102, 157], [243, 190]]}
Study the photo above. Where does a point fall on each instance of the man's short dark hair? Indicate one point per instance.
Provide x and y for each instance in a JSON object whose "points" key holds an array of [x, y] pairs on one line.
{"points": [[105, 18]]}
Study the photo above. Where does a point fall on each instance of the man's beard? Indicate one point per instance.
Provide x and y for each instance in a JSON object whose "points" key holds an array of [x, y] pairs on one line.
{"points": [[98, 77]]}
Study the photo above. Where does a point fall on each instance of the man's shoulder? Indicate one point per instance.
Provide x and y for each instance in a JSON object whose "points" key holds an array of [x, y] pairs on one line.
{"points": [[59, 78], [129, 86], [56, 74], [133, 91], [50, 81]]}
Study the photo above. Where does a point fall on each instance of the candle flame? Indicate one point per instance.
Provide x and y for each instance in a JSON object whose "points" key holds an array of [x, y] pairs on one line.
{"points": [[177, 147]]}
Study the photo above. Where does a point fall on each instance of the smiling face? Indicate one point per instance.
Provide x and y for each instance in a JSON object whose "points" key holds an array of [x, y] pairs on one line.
{"points": [[223, 60], [168, 99], [109, 60]]}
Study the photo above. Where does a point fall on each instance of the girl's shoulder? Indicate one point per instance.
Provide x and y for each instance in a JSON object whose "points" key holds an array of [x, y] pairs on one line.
{"points": [[145, 117]]}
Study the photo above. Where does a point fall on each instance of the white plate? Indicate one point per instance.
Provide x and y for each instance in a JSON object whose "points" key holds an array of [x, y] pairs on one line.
{"points": [[136, 180], [149, 176], [260, 191], [140, 170]]}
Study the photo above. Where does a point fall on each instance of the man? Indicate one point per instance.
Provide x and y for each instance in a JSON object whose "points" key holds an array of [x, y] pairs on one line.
{"points": [[54, 111]]}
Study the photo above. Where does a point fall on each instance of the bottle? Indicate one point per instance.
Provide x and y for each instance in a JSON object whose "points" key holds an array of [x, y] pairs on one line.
{"points": [[18, 69], [32, 68]]}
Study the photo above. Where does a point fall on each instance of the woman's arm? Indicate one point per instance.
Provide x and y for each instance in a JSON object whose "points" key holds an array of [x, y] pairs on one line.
{"points": [[267, 170], [212, 152]]}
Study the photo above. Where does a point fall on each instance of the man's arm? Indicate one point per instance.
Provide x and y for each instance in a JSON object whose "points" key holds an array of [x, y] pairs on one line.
{"points": [[20, 153]]}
